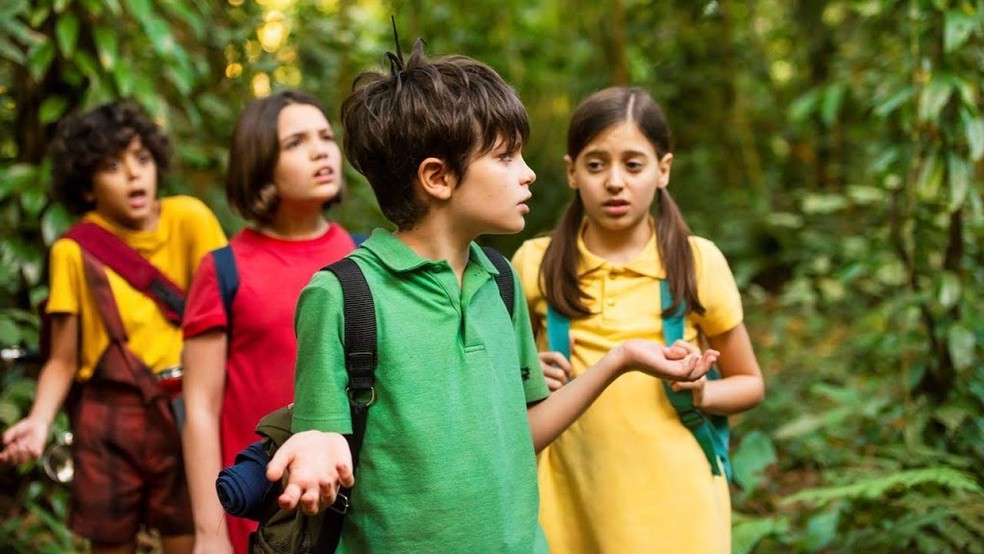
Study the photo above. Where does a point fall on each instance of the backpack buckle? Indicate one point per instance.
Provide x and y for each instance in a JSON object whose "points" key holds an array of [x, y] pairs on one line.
{"points": [[341, 504], [354, 395], [692, 418]]}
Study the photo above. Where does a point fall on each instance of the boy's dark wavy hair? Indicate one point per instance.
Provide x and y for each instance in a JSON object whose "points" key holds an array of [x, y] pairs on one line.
{"points": [[450, 108], [83, 141]]}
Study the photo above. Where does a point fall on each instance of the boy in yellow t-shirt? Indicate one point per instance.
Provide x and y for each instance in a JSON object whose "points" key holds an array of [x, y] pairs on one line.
{"points": [[128, 469]]}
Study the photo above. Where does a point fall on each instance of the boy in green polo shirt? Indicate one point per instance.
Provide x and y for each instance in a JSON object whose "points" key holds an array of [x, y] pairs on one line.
{"points": [[448, 460]]}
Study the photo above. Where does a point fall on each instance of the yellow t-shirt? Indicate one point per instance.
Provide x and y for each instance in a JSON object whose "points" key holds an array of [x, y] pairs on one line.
{"points": [[627, 476], [187, 230]]}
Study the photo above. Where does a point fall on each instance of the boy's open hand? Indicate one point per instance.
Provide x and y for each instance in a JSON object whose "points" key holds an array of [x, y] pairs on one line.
{"points": [[24, 441], [313, 465], [666, 363]]}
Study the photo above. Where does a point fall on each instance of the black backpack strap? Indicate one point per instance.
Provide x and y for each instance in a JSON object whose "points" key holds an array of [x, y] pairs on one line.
{"points": [[228, 277], [504, 280], [360, 363]]}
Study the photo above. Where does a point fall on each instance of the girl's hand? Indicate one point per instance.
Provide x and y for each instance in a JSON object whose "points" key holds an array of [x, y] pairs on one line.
{"points": [[695, 387], [556, 369], [658, 361]]}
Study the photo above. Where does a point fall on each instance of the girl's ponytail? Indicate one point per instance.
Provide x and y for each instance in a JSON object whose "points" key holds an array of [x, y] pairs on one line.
{"points": [[558, 270], [673, 244]]}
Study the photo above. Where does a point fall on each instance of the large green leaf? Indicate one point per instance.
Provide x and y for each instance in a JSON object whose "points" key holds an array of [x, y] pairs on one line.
{"points": [[957, 27], [875, 487], [183, 11], [140, 9], [959, 173], [892, 103], [160, 35], [934, 96], [753, 456], [39, 59], [949, 289], [961, 343], [821, 530], [11, 51], [747, 533], [52, 108], [11, 9], [930, 178], [106, 46], [974, 130], [67, 33], [832, 99]]}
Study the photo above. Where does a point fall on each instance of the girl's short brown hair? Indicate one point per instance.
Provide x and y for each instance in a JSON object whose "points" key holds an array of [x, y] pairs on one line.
{"points": [[254, 153]]}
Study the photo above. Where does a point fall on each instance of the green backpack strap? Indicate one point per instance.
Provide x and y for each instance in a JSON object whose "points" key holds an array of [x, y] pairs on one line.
{"points": [[711, 431], [558, 332]]}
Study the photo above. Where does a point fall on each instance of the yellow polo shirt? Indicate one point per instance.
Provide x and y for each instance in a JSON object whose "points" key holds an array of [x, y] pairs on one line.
{"points": [[627, 476], [187, 230]]}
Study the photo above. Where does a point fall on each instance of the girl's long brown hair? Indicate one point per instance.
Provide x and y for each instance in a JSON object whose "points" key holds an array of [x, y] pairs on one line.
{"points": [[558, 271]]}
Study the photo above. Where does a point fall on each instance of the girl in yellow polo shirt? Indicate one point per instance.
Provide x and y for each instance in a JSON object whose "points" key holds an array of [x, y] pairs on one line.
{"points": [[628, 476]]}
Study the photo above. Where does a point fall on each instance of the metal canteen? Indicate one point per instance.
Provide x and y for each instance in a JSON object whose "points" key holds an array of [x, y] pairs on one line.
{"points": [[170, 380], [56, 461]]}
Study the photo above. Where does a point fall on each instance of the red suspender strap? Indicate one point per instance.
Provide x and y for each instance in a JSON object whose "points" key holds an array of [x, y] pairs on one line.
{"points": [[95, 277], [137, 270], [118, 364]]}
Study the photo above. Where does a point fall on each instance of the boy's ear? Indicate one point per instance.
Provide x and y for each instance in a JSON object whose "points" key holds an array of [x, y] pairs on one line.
{"points": [[436, 179], [569, 164]]}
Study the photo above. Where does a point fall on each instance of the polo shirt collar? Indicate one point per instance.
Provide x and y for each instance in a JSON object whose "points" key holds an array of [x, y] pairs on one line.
{"points": [[646, 263], [399, 258]]}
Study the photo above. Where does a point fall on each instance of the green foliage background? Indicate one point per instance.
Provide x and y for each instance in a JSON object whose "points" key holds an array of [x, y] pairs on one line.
{"points": [[833, 149]]}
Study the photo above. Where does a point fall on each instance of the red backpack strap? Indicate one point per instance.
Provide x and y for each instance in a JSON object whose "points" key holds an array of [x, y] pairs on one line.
{"points": [[142, 275]]}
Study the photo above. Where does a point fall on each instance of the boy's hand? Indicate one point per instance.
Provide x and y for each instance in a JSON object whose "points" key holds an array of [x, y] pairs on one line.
{"points": [[313, 465], [655, 359], [696, 387], [24, 441], [556, 369]]}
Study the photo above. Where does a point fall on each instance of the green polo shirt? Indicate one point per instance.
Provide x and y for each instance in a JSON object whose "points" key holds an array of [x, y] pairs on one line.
{"points": [[448, 463]]}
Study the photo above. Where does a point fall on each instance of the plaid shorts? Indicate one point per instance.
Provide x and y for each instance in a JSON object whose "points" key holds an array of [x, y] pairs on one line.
{"points": [[128, 470]]}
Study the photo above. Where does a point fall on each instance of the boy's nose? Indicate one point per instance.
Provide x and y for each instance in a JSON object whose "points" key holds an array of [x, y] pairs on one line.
{"points": [[133, 168], [530, 176]]}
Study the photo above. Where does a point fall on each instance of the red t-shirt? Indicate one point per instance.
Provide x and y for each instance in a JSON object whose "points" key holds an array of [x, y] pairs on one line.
{"points": [[262, 347]]}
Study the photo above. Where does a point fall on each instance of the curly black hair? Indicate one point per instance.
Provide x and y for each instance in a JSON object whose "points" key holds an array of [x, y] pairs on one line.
{"points": [[83, 141]]}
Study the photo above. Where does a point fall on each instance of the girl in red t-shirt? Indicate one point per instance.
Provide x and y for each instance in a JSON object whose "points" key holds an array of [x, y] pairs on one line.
{"points": [[284, 168]]}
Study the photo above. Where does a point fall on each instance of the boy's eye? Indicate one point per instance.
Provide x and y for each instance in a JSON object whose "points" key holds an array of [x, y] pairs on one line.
{"points": [[110, 165], [594, 165], [633, 165], [145, 158]]}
